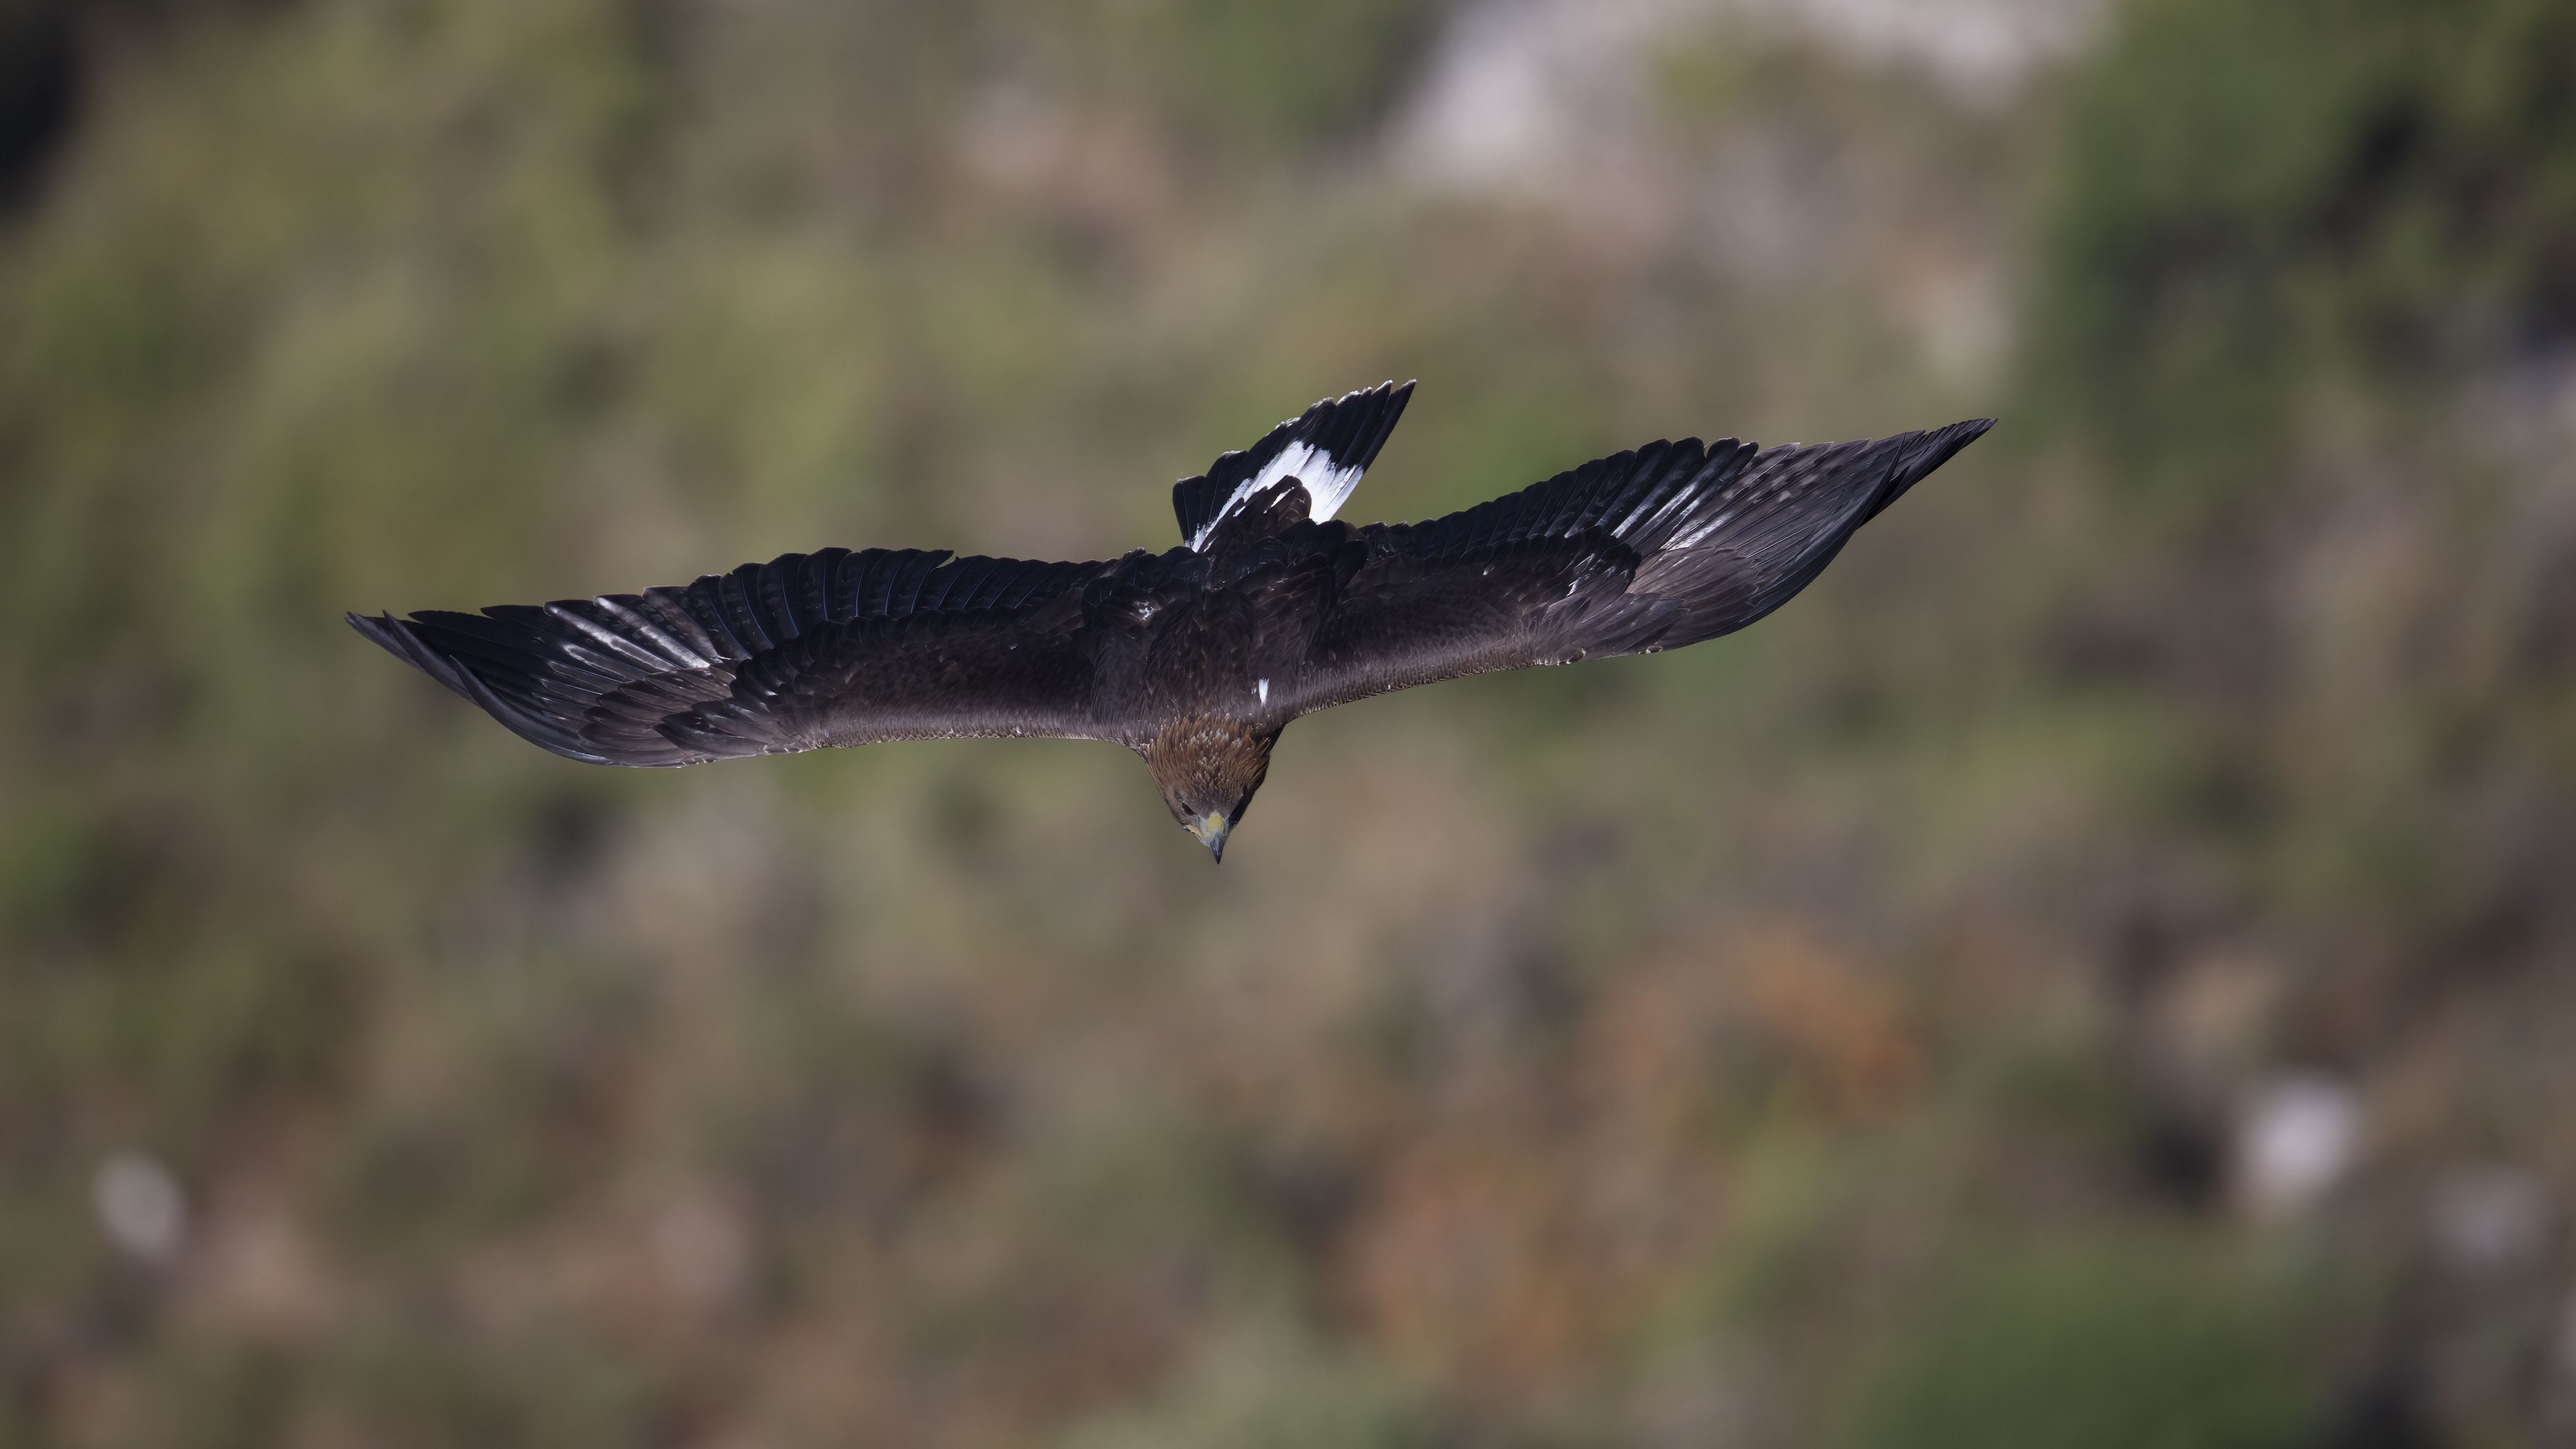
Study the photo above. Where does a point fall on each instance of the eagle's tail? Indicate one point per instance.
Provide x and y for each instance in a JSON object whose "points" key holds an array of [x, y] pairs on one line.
{"points": [[1326, 449]]}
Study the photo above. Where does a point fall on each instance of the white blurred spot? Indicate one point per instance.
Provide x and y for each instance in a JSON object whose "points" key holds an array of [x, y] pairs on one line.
{"points": [[1982, 50], [139, 1206], [1517, 90], [1011, 137], [1959, 317], [2294, 1140], [1533, 96], [2490, 1219], [702, 1249]]}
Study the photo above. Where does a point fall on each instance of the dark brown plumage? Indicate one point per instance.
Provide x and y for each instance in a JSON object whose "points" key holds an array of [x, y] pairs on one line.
{"points": [[1195, 658]]}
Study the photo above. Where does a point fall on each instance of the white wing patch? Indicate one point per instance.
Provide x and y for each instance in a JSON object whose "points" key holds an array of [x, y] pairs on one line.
{"points": [[1327, 486], [1697, 531], [1264, 691]]}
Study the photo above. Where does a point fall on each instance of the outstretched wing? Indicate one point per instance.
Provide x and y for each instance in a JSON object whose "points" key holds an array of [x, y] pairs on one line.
{"points": [[1327, 449], [808, 650], [1645, 550]]}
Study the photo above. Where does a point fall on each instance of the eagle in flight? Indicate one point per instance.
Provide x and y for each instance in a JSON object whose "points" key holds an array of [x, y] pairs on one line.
{"points": [[1197, 657]]}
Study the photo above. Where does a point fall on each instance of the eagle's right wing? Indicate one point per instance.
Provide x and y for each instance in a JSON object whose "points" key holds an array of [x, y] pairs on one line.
{"points": [[808, 650], [1645, 550]]}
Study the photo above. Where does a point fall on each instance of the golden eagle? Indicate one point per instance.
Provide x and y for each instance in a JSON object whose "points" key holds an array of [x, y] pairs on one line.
{"points": [[1195, 658]]}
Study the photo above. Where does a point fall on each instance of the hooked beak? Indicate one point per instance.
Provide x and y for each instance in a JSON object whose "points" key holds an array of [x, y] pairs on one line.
{"points": [[1210, 831]]}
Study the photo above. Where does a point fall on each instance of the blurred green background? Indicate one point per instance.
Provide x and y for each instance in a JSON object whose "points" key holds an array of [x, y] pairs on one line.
{"points": [[2099, 969]]}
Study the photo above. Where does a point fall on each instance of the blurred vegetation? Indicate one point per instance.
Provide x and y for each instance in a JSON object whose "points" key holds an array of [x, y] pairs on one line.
{"points": [[2400, 204], [1857, 1032], [2097, 1345]]}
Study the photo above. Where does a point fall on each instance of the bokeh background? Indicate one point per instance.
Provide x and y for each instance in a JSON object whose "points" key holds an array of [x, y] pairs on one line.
{"points": [[2099, 969]]}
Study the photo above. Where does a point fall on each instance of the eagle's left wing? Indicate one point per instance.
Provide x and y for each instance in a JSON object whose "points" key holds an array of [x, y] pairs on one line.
{"points": [[1645, 550], [802, 652]]}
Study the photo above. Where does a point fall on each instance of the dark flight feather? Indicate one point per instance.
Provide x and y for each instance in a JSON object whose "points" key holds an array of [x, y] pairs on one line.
{"points": [[807, 650]]}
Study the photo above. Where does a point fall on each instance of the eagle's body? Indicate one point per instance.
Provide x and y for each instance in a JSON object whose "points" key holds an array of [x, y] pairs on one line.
{"points": [[1195, 658]]}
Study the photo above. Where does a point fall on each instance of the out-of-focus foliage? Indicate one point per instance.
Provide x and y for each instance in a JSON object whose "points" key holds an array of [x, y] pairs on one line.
{"points": [[1266, 76], [2090, 1346], [2401, 201], [2096, 969], [2315, 314]]}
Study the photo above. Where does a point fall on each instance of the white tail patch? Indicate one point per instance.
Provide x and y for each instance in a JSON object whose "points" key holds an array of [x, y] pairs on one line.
{"points": [[1328, 486]]}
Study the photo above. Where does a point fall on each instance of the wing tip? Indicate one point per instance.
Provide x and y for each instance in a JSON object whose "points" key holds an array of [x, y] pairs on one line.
{"points": [[402, 639], [1958, 435], [377, 629], [397, 638], [1924, 454], [1943, 444], [1968, 431]]}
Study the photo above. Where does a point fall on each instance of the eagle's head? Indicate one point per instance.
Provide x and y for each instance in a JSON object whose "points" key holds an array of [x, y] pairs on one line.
{"points": [[1207, 770]]}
